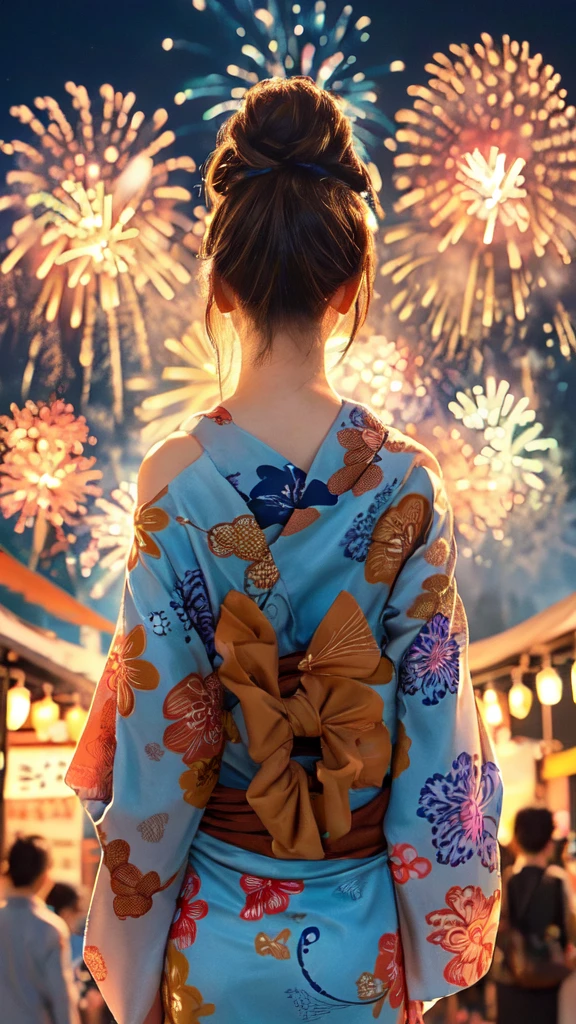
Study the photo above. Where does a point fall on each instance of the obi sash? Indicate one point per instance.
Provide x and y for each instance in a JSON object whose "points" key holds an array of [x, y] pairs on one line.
{"points": [[320, 702]]}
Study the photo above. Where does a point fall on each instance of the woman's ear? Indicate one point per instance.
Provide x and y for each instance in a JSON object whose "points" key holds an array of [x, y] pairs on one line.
{"points": [[223, 295], [346, 294]]}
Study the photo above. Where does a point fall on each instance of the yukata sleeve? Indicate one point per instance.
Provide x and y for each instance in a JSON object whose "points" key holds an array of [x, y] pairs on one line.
{"points": [[148, 759], [442, 820]]}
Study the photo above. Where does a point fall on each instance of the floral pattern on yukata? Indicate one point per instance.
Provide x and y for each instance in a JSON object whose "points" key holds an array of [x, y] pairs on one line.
{"points": [[455, 805], [183, 1003], [266, 896], [362, 443], [466, 926], [195, 706], [188, 911], [126, 671], [431, 665], [192, 605], [282, 491], [356, 540]]}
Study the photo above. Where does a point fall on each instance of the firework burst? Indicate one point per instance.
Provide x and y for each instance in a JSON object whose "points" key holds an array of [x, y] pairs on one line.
{"points": [[111, 536], [197, 384], [45, 479], [383, 374], [488, 183], [96, 218], [514, 446], [283, 39]]}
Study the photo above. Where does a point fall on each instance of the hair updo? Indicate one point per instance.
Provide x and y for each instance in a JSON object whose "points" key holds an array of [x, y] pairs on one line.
{"points": [[285, 236]]}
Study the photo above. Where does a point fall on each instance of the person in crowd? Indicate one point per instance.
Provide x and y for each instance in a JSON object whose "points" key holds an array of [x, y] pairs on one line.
{"points": [[36, 979], [536, 927], [66, 901]]}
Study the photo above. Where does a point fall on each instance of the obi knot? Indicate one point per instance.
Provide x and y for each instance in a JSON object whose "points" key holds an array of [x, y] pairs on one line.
{"points": [[326, 694]]}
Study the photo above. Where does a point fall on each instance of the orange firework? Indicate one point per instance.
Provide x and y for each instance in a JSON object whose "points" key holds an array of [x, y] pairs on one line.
{"points": [[45, 479], [97, 218], [489, 189]]}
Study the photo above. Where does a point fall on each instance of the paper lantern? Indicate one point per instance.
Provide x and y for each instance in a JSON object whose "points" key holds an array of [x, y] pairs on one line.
{"points": [[519, 699], [75, 718], [44, 714], [17, 702], [573, 680], [492, 709], [548, 683]]}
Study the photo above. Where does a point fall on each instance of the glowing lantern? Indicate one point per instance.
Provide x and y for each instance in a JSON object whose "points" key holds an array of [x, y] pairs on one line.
{"points": [[573, 680], [548, 683], [519, 699], [75, 718], [492, 708], [45, 713], [17, 702]]}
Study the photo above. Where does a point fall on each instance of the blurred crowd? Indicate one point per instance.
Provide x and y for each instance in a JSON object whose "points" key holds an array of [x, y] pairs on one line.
{"points": [[43, 978]]}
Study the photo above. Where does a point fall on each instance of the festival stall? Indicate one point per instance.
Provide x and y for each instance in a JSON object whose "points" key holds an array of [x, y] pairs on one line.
{"points": [[535, 738], [46, 685]]}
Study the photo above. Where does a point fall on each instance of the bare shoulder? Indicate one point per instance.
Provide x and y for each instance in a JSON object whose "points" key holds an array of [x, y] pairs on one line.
{"points": [[164, 462]]}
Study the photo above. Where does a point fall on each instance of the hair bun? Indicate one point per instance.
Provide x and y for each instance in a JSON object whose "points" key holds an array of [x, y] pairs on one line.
{"points": [[287, 122]]}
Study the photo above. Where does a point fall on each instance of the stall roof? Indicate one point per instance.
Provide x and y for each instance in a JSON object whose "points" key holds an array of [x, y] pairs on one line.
{"points": [[76, 666], [36, 589], [536, 632]]}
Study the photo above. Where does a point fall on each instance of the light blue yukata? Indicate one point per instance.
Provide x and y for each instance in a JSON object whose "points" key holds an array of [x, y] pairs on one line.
{"points": [[296, 800]]}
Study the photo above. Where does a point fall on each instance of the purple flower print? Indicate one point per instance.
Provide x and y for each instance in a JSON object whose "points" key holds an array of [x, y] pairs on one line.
{"points": [[431, 664], [455, 805]]}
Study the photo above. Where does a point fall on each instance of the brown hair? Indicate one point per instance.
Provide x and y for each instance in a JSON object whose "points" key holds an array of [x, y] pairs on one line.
{"points": [[290, 224]]}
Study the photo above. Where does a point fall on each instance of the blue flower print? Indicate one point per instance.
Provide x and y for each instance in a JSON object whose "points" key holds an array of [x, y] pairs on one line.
{"points": [[358, 417], [356, 540], [431, 664], [280, 491], [455, 806], [192, 606]]}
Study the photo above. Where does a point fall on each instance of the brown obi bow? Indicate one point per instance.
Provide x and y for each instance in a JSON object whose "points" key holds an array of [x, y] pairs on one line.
{"points": [[331, 702]]}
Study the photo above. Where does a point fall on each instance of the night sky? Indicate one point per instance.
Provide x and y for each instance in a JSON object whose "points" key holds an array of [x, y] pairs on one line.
{"points": [[44, 44]]}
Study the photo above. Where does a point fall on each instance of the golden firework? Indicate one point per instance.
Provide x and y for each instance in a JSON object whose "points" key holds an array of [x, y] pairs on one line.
{"points": [[112, 534], [197, 384], [97, 218], [45, 479], [514, 447], [383, 374], [488, 195], [480, 500]]}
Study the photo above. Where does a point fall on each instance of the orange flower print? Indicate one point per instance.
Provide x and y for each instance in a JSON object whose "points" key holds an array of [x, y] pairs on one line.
{"points": [[147, 519], [199, 781], [91, 769], [183, 1004], [125, 671], [406, 864], [245, 539], [467, 926], [362, 445], [438, 597], [389, 969], [195, 707], [95, 963], [133, 890], [220, 415], [395, 537]]}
